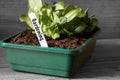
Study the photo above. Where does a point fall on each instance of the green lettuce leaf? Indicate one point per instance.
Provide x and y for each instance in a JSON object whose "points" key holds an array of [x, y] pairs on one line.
{"points": [[59, 6], [25, 18], [72, 14], [58, 19]]}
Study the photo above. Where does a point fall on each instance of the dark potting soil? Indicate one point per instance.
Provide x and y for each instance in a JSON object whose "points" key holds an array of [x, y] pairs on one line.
{"points": [[29, 38]]}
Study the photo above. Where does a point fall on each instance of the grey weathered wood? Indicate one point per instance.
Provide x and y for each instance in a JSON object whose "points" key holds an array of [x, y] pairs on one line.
{"points": [[9, 27], [105, 62], [8, 74], [3, 60], [107, 11]]}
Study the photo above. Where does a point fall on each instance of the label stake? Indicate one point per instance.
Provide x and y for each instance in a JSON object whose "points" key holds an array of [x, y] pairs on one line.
{"points": [[38, 30]]}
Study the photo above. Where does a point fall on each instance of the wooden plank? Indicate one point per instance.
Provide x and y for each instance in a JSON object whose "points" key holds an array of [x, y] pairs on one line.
{"points": [[105, 62], [8, 74], [107, 11], [107, 48], [3, 61]]}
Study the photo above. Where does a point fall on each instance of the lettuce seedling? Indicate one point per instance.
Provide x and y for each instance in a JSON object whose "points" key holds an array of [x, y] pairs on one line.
{"points": [[59, 19]]}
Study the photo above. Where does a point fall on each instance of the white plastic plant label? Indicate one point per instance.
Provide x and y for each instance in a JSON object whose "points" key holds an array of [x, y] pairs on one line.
{"points": [[38, 30]]}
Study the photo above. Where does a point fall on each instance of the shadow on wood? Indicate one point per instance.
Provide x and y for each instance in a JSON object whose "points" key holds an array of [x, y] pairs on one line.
{"points": [[104, 63]]}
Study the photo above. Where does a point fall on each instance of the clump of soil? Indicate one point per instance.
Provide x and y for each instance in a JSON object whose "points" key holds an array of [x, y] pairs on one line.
{"points": [[29, 38]]}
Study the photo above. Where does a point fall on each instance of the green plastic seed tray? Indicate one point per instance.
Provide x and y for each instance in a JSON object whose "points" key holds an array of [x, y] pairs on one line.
{"points": [[50, 61]]}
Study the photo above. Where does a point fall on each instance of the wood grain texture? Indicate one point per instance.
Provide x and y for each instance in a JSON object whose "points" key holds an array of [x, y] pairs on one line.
{"points": [[105, 62], [107, 11]]}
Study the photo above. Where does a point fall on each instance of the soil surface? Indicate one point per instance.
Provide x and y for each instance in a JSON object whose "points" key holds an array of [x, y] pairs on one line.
{"points": [[29, 38]]}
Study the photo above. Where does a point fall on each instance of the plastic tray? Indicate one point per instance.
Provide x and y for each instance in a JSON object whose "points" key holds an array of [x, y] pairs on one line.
{"points": [[51, 61]]}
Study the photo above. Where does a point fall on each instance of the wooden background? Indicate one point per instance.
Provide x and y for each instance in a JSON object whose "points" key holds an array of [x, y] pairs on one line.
{"points": [[105, 62], [107, 11]]}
